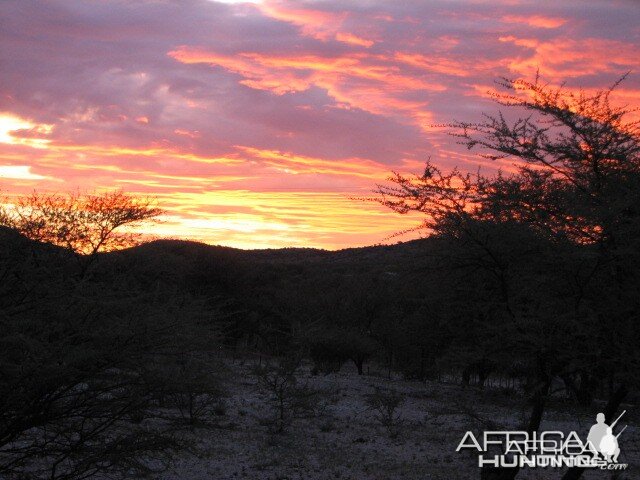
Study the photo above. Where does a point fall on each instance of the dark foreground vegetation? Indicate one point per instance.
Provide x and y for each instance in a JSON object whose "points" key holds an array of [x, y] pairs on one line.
{"points": [[528, 282]]}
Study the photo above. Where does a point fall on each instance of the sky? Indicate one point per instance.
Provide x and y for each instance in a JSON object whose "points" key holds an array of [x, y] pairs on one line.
{"points": [[260, 124]]}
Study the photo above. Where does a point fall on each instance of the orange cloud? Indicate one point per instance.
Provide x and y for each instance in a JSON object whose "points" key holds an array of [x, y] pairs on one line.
{"points": [[560, 58], [237, 200], [353, 39], [16, 130], [115, 151], [186, 133], [434, 64], [538, 21], [369, 82], [317, 24], [300, 164]]}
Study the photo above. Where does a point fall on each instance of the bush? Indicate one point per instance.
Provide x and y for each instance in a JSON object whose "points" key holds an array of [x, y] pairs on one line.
{"points": [[385, 405], [191, 385], [288, 399]]}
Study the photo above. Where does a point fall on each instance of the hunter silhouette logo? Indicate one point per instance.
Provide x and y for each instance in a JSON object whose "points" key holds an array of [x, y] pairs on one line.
{"points": [[504, 449], [602, 441]]}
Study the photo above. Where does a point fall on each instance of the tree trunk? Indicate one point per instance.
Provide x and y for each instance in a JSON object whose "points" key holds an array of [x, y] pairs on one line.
{"points": [[539, 401], [482, 377], [359, 361], [583, 392], [466, 376]]}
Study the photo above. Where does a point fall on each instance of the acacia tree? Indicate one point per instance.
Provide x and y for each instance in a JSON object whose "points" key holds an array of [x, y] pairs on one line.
{"points": [[556, 243], [85, 224]]}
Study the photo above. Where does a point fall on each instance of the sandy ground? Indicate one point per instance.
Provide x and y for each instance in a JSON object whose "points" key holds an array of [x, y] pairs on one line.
{"points": [[343, 440]]}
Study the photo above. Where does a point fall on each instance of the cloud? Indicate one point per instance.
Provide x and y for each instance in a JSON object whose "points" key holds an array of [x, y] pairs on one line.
{"points": [[367, 82], [18, 172], [353, 39], [318, 24], [254, 123], [563, 57], [538, 21], [16, 130]]}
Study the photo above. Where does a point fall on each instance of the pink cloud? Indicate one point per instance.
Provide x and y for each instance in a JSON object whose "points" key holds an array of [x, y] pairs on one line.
{"points": [[255, 123], [538, 21]]}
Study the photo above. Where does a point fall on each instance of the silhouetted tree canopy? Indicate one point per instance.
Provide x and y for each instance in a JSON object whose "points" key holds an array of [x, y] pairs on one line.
{"points": [[543, 263], [84, 224]]}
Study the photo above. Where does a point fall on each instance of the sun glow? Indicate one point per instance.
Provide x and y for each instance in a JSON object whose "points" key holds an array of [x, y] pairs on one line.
{"points": [[17, 131], [19, 172]]}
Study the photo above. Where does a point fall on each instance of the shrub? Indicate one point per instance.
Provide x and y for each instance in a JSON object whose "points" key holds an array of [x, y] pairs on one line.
{"points": [[385, 405], [288, 398]]}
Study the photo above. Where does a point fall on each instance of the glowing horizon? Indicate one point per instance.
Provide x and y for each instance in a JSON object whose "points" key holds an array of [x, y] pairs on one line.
{"points": [[256, 123]]}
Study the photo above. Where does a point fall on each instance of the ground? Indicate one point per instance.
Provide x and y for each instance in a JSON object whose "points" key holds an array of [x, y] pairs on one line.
{"points": [[344, 440]]}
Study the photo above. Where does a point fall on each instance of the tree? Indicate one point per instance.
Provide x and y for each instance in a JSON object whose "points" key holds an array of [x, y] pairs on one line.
{"points": [[85, 224], [549, 253], [288, 397]]}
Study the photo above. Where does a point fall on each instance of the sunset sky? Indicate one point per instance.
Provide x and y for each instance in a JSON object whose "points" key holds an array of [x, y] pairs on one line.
{"points": [[255, 124]]}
